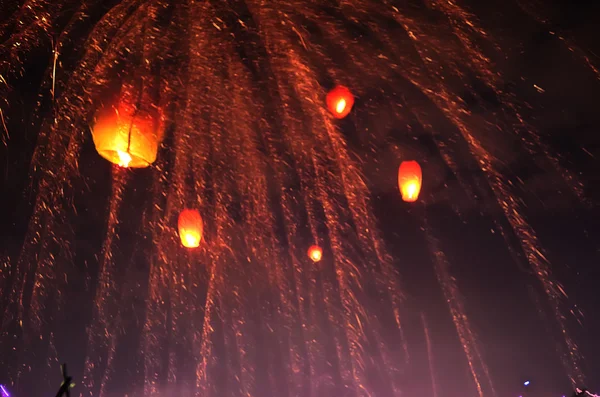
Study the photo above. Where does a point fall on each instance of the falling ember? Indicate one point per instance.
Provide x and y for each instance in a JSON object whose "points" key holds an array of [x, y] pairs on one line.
{"points": [[409, 180], [191, 228], [315, 253], [340, 101], [126, 136]]}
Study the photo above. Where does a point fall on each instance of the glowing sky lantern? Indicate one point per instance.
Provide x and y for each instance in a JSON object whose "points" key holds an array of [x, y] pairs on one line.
{"points": [[340, 101], [410, 180], [315, 253], [190, 228], [126, 136]]}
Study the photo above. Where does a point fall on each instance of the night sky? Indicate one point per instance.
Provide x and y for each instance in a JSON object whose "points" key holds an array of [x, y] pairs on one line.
{"points": [[550, 70]]}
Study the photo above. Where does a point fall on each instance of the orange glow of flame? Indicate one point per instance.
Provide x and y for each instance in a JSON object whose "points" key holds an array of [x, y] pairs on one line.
{"points": [[128, 137], [191, 228], [341, 105], [410, 180], [190, 240], [411, 190], [315, 253], [124, 158], [340, 101]]}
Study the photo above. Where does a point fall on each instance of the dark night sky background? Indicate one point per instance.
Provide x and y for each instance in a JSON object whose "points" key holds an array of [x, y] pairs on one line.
{"points": [[496, 290]]}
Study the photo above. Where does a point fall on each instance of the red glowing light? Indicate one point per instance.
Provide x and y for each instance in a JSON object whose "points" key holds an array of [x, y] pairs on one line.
{"points": [[315, 253], [340, 101], [410, 180], [191, 228]]}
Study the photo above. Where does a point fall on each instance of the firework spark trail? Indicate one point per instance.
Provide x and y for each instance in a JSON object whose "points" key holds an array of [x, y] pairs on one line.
{"points": [[528, 240], [27, 27], [290, 291], [304, 284], [434, 387], [445, 142], [459, 317], [352, 375], [464, 25], [224, 257], [230, 310], [196, 134], [230, 177], [536, 258], [354, 191], [262, 223], [450, 105], [153, 331], [331, 298], [347, 273], [195, 137], [533, 9], [5, 133], [291, 122], [101, 334], [58, 144], [525, 132]]}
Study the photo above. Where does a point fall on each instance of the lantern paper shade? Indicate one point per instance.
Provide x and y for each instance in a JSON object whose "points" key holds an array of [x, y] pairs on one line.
{"points": [[315, 253], [126, 136], [340, 101], [190, 228], [410, 180]]}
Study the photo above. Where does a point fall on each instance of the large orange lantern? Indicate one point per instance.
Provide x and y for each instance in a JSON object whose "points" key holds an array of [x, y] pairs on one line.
{"points": [[190, 228], [315, 253], [409, 180], [127, 136], [340, 101]]}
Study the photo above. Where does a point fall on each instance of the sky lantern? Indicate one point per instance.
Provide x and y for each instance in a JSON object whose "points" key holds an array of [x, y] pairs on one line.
{"points": [[409, 180], [315, 253], [190, 228], [340, 101], [127, 136]]}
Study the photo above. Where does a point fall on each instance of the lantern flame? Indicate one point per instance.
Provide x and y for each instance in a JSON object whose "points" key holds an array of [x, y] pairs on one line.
{"points": [[315, 253], [341, 105], [190, 240], [191, 228], [410, 180], [124, 158], [340, 101], [412, 191]]}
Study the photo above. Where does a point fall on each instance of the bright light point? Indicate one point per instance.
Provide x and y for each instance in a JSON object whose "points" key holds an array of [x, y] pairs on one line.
{"points": [[315, 253], [341, 105], [191, 240], [4, 391], [527, 383], [124, 158], [411, 190]]}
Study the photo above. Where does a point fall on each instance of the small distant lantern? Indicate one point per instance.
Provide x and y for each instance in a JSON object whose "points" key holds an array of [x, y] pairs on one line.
{"points": [[340, 101], [127, 136], [190, 227], [315, 253], [410, 180]]}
